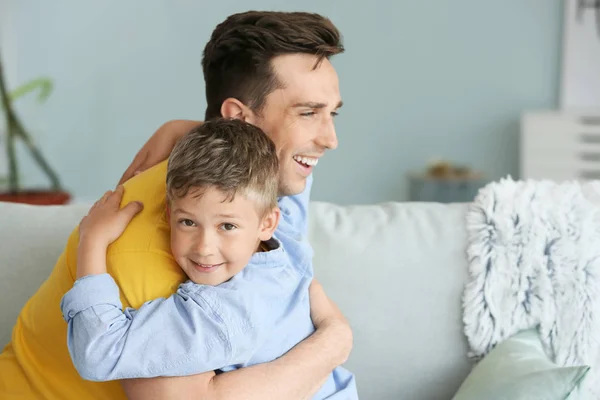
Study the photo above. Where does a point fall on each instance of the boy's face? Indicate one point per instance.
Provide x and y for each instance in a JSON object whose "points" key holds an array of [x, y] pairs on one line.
{"points": [[212, 238]]}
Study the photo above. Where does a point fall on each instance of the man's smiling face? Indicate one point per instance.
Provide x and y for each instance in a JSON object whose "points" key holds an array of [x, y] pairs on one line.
{"points": [[299, 116]]}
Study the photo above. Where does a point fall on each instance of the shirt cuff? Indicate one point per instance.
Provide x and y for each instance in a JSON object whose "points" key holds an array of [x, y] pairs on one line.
{"points": [[90, 291]]}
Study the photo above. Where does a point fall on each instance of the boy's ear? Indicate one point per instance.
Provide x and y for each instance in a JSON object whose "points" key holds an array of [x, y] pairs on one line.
{"points": [[168, 213], [233, 108], [269, 224]]}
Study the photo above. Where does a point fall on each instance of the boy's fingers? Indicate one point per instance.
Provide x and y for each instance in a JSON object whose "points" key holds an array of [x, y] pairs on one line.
{"points": [[118, 194], [131, 209], [104, 197]]}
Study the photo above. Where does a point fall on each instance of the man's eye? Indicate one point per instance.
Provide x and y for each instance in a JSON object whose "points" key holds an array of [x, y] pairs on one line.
{"points": [[228, 227], [335, 113], [187, 222], [308, 114]]}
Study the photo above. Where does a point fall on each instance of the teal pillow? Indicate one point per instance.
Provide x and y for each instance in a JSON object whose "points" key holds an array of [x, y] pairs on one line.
{"points": [[518, 368]]}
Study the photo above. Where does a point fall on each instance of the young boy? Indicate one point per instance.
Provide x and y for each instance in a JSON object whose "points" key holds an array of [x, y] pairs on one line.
{"points": [[244, 303]]}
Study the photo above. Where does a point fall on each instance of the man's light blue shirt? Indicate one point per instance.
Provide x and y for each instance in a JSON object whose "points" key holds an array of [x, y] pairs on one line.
{"points": [[255, 317]]}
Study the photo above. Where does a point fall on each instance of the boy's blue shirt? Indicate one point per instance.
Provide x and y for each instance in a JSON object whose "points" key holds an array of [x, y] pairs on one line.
{"points": [[256, 317]]}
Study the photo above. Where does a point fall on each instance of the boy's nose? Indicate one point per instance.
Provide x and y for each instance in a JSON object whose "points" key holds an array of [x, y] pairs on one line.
{"points": [[204, 245]]}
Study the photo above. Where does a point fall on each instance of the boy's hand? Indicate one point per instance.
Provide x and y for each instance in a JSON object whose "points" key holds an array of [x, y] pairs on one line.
{"points": [[106, 221]]}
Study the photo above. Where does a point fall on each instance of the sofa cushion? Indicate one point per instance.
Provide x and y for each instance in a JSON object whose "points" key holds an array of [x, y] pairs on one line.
{"points": [[519, 369], [397, 272]]}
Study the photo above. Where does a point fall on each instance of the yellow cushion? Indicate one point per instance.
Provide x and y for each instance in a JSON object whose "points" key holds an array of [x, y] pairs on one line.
{"points": [[37, 360]]}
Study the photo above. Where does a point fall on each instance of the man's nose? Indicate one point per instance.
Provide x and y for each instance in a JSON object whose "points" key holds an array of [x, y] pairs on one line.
{"points": [[327, 137]]}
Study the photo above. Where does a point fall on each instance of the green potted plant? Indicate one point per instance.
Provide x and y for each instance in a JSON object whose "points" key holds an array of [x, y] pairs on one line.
{"points": [[15, 129]]}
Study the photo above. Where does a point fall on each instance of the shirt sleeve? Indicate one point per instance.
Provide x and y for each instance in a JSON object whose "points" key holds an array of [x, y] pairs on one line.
{"points": [[295, 208], [198, 329]]}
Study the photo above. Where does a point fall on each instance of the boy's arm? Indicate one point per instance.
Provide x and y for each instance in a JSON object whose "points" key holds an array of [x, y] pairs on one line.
{"points": [[196, 330], [297, 374], [187, 333]]}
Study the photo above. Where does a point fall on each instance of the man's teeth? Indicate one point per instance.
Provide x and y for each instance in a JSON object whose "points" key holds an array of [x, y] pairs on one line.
{"points": [[307, 160]]}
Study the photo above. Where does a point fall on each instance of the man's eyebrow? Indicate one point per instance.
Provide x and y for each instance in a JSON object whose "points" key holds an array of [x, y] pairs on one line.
{"points": [[312, 104]]}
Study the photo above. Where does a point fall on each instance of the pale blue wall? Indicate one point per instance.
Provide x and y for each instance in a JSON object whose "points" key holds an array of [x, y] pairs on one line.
{"points": [[420, 79]]}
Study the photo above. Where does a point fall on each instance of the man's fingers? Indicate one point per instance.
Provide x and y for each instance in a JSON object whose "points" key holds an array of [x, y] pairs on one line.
{"points": [[124, 177], [143, 165], [136, 164]]}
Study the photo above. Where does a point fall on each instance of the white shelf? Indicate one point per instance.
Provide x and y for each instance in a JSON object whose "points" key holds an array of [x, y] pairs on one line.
{"points": [[560, 146]]}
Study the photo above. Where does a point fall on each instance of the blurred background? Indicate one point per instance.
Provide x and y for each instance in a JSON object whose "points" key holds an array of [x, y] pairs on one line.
{"points": [[421, 81]]}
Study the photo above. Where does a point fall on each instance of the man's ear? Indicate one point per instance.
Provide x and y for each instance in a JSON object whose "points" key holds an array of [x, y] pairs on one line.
{"points": [[269, 224], [233, 108]]}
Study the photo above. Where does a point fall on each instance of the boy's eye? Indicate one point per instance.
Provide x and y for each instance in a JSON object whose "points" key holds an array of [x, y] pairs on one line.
{"points": [[187, 222], [228, 227]]}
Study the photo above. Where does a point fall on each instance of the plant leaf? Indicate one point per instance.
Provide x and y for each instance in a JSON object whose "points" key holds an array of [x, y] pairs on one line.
{"points": [[44, 84]]}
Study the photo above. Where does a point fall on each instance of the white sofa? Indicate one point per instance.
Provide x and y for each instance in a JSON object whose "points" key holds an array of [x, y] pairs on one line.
{"points": [[396, 270]]}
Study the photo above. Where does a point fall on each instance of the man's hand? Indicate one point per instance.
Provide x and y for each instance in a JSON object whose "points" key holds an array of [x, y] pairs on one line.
{"points": [[158, 147], [327, 316]]}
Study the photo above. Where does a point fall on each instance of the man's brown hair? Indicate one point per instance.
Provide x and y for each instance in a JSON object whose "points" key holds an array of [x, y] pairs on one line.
{"points": [[227, 154], [237, 58]]}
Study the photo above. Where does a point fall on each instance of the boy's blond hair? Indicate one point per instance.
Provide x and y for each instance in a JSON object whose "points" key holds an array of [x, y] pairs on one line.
{"points": [[230, 155]]}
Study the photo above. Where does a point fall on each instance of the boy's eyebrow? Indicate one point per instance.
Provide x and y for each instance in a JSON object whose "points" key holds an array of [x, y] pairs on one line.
{"points": [[222, 215], [180, 211], [232, 216], [313, 104]]}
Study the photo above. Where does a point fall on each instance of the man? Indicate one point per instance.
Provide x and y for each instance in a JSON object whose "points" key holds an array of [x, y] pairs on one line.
{"points": [[269, 69]]}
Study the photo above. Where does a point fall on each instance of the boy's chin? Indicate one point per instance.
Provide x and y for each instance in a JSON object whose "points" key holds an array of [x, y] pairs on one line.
{"points": [[215, 280], [209, 282]]}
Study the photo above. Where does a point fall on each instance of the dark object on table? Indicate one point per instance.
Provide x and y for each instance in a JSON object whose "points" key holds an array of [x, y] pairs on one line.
{"points": [[444, 182]]}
